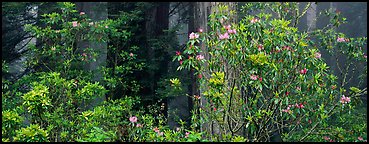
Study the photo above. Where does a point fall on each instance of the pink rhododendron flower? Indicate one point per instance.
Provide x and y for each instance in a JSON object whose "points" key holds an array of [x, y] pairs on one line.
{"points": [[84, 54], [199, 76], [228, 27], [139, 125], [318, 55], [298, 88], [286, 48], [287, 110], [199, 57], [194, 36], [160, 133], [260, 47], [74, 23], [340, 39], [187, 133], [180, 62], [287, 93], [365, 56], [303, 71], [178, 53], [234, 31], [260, 79], [254, 77], [156, 129], [326, 137], [360, 138], [133, 119], [201, 30], [224, 36], [345, 99], [106, 26], [254, 20], [197, 97], [310, 121], [81, 13], [215, 109], [230, 31], [299, 105], [131, 54]]}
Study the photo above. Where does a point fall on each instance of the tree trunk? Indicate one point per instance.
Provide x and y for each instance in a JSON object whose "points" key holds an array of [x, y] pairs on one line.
{"points": [[179, 107], [96, 11], [201, 12], [311, 17]]}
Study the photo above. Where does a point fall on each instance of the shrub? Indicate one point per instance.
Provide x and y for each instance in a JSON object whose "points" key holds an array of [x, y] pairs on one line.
{"points": [[264, 77], [32, 133]]}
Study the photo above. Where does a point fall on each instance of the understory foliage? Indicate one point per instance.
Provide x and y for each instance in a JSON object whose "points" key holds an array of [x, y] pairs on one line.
{"points": [[260, 78]]}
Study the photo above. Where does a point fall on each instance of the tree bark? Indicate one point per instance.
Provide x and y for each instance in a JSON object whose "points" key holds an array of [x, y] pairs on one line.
{"points": [[311, 17], [180, 106], [96, 11], [202, 10]]}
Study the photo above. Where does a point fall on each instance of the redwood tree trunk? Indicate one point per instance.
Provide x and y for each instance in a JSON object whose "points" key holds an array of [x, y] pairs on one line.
{"points": [[202, 10], [96, 11]]}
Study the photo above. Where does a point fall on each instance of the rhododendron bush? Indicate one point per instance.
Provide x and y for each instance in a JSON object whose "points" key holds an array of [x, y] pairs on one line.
{"points": [[262, 77]]}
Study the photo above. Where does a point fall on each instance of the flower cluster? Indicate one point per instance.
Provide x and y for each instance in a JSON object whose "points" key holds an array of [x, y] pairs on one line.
{"points": [[133, 119], [300, 106], [75, 23], [260, 47], [226, 34], [187, 133], [229, 30], [199, 76], [194, 35], [255, 77], [178, 53], [201, 30], [317, 55], [345, 99], [255, 20], [327, 138], [139, 125], [288, 109], [197, 97], [303, 71], [199, 57], [341, 39], [156, 129], [286, 48]]}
